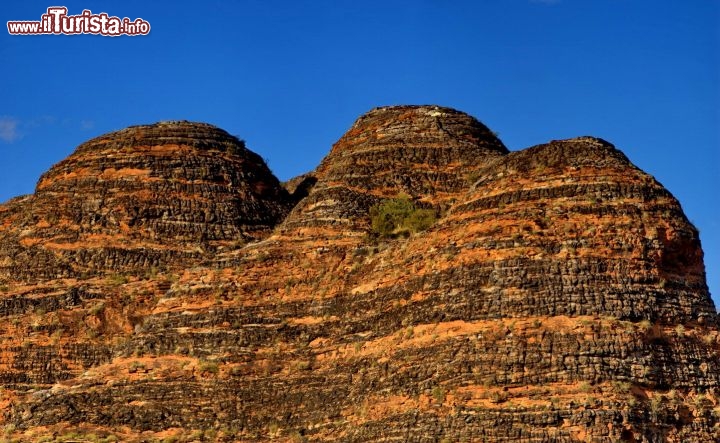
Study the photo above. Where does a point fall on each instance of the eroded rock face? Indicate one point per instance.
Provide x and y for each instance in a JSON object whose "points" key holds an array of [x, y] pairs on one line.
{"points": [[427, 152], [146, 196], [593, 234], [419, 150], [559, 297]]}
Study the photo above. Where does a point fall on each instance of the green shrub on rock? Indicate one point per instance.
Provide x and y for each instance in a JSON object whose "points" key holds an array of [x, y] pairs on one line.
{"points": [[399, 216]]}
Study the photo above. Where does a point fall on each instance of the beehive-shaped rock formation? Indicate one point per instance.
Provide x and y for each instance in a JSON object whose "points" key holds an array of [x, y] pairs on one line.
{"points": [[425, 152], [146, 196], [559, 296]]}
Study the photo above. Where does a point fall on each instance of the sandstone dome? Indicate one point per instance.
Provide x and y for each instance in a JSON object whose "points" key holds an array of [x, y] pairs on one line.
{"points": [[140, 196]]}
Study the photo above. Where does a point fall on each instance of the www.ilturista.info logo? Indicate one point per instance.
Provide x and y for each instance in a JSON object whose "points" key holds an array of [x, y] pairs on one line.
{"points": [[56, 21]]}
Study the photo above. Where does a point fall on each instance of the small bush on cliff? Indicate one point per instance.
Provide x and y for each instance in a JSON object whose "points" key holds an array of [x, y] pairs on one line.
{"points": [[438, 394], [208, 366], [117, 279], [399, 217]]}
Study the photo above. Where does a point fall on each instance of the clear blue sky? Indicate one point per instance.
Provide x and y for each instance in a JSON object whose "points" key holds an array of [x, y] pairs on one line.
{"points": [[290, 77]]}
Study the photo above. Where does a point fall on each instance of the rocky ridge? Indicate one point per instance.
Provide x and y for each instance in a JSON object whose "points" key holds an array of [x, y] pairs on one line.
{"points": [[162, 284]]}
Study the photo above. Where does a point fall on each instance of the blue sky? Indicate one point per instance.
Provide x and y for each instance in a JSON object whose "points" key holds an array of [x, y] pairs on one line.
{"points": [[290, 77]]}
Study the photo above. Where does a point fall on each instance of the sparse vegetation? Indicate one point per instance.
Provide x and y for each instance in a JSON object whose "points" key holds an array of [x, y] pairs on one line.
{"points": [[409, 332], [680, 330], [622, 387], [656, 405], [273, 429], [151, 273], [304, 365], [498, 397], [585, 387], [296, 436], [645, 326], [400, 216], [136, 365], [97, 309], [438, 393], [473, 177], [208, 366], [117, 279]]}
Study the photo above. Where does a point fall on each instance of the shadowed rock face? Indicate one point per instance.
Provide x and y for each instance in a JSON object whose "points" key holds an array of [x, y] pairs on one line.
{"points": [[559, 297]]}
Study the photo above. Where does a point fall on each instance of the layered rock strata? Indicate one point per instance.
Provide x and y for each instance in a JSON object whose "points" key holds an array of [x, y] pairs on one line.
{"points": [[560, 296], [146, 196]]}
